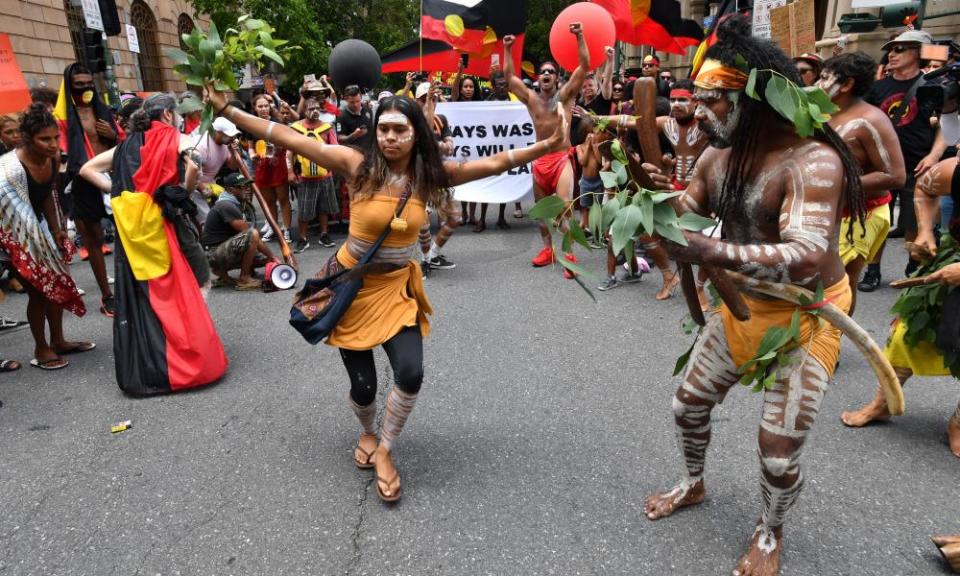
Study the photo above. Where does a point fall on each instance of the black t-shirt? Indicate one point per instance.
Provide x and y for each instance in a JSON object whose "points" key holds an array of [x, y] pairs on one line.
{"points": [[914, 131], [39, 191], [217, 228], [347, 122], [599, 106]]}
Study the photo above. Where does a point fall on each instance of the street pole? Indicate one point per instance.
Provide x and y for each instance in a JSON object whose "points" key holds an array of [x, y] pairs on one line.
{"points": [[109, 77]]}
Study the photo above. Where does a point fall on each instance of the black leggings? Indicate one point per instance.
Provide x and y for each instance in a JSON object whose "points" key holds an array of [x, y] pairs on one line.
{"points": [[405, 351]]}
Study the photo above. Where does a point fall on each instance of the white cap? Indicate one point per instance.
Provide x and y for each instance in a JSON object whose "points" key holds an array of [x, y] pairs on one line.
{"points": [[422, 89], [225, 126], [384, 94], [909, 37]]}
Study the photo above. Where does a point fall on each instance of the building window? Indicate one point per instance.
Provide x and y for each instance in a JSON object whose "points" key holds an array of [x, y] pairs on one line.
{"points": [[76, 24], [149, 58], [185, 25]]}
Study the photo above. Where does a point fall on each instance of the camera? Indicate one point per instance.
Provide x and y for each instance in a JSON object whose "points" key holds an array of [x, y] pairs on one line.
{"points": [[420, 77], [941, 88]]}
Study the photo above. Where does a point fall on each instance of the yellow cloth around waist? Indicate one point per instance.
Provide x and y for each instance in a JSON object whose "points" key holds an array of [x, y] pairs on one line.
{"points": [[386, 303], [866, 245], [139, 222], [923, 359], [743, 338]]}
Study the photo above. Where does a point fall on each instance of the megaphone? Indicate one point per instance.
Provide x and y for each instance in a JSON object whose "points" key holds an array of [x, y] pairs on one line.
{"points": [[279, 276]]}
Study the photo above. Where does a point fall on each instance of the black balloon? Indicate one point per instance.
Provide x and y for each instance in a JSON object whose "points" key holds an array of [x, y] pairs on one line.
{"points": [[354, 62]]}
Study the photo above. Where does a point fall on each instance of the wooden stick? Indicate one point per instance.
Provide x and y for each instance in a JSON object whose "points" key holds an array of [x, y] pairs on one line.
{"points": [[886, 376], [288, 256]]}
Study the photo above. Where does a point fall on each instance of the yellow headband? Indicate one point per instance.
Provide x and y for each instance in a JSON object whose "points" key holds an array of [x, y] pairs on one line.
{"points": [[715, 76]]}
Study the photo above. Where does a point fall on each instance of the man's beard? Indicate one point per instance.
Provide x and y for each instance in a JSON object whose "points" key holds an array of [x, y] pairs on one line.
{"points": [[719, 134]]}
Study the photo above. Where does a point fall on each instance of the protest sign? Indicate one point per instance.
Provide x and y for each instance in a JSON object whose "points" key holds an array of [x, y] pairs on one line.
{"points": [[482, 129], [792, 27], [761, 16], [14, 93]]}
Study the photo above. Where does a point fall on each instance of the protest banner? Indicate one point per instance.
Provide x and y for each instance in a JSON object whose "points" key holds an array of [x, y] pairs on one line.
{"points": [[792, 27], [761, 16], [14, 93], [482, 129]]}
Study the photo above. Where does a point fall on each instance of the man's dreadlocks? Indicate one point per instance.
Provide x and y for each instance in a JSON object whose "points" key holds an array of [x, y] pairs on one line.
{"points": [[736, 46]]}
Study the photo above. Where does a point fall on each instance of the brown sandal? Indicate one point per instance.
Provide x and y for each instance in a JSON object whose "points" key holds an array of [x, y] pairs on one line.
{"points": [[362, 458], [384, 485]]}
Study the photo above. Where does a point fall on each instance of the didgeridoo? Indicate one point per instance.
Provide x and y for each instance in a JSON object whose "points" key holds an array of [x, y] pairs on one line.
{"points": [[886, 376], [645, 108], [285, 251]]}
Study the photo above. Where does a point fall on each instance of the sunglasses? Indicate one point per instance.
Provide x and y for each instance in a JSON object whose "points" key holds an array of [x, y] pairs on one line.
{"points": [[666, 77], [648, 65], [901, 48], [804, 70], [547, 71], [618, 88]]}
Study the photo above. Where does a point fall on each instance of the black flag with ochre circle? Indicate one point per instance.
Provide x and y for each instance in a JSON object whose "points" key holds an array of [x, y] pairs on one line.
{"points": [[472, 25]]}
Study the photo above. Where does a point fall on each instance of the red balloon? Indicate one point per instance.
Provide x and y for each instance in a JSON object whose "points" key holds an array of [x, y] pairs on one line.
{"points": [[599, 32]]}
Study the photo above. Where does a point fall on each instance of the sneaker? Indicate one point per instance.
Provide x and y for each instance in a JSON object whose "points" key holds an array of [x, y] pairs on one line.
{"points": [[895, 233], [632, 278], [265, 229], [84, 253], [326, 242], [106, 250], [111, 281], [425, 269], [286, 236], [440, 262], [870, 281], [609, 284], [912, 266], [544, 258], [81, 292], [268, 236], [108, 307], [300, 245], [566, 272]]}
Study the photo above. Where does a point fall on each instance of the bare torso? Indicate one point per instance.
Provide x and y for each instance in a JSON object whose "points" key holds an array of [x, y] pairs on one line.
{"points": [[688, 143], [89, 122], [543, 111], [868, 134]]}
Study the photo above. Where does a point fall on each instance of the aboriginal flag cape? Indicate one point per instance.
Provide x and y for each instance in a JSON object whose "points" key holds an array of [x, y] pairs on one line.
{"points": [[655, 23], [163, 337], [472, 26], [31, 248]]}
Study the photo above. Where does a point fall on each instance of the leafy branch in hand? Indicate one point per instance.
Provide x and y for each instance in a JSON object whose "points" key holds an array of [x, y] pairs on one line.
{"points": [[210, 59]]}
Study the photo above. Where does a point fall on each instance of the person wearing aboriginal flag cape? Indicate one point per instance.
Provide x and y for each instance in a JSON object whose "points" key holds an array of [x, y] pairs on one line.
{"points": [[164, 338]]}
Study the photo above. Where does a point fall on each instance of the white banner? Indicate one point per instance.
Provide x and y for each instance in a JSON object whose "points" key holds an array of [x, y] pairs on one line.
{"points": [[761, 16], [482, 129]]}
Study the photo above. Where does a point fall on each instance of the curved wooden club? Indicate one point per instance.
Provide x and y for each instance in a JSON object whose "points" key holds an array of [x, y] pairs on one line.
{"points": [[285, 250], [645, 108], [889, 382]]}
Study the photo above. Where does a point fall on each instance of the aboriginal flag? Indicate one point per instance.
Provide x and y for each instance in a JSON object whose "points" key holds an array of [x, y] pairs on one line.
{"points": [[472, 26], [163, 337], [726, 9], [436, 56], [655, 23]]}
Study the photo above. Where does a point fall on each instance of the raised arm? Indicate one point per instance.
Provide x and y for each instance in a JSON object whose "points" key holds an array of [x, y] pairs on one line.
{"points": [[342, 159], [606, 82], [885, 156], [572, 87], [807, 223], [94, 170], [455, 93], [514, 83], [462, 172]]}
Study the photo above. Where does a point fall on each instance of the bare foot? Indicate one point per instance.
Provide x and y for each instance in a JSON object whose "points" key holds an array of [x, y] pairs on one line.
{"points": [[762, 558], [363, 453], [662, 504], [876, 410], [670, 282], [953, 434], [388, 479]]}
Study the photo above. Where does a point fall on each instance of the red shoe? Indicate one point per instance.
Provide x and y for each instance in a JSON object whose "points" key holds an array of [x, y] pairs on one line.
{"points": [[544, 258], [84, 254], [567, 273], [107, 250]]}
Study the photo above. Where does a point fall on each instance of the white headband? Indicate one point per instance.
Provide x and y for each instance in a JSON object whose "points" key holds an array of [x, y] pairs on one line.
{"points": [[393, 118]]}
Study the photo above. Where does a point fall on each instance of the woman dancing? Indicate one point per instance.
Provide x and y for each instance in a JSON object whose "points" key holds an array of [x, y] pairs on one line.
{"points": [[391, 308]]}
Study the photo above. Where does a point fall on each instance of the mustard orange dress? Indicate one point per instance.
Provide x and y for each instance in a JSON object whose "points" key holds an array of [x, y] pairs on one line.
{"points": [[389, 302]]}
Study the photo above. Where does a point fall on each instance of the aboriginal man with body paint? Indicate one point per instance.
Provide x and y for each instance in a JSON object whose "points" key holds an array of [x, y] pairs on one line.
{"points": [[552, 173], [779, 197], [870, 136]]}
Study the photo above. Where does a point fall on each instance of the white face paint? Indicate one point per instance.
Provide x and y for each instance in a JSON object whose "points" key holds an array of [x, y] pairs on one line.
{"points": [[718, 132], [829, 83], [403, 135], [393, 118]]}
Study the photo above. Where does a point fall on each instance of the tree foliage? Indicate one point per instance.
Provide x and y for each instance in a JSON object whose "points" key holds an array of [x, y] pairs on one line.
{"points": [[318, 25]]}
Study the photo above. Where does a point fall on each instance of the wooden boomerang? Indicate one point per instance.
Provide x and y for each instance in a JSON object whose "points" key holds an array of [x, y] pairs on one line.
{"points": [[889, 382]]}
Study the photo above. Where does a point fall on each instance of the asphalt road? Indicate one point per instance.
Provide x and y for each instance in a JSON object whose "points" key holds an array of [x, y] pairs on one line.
{"points": [[543, 421]]}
